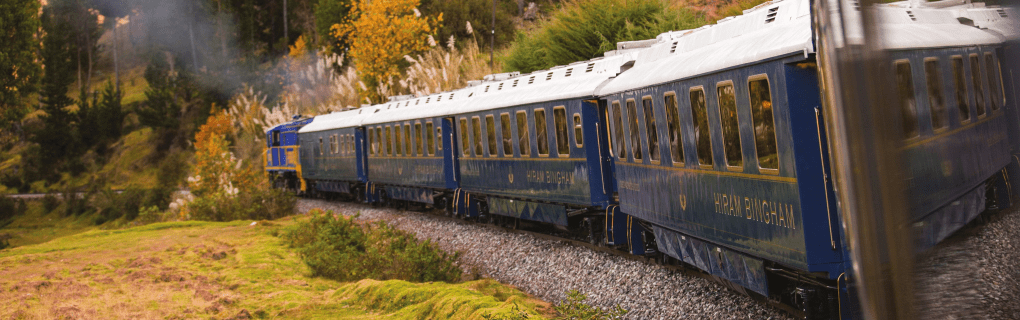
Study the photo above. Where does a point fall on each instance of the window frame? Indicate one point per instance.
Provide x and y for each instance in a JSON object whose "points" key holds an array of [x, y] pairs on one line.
{"points": [[490, 136], [708, 128], [389, 141], [775, 131], [655, 130], [940, 86], [633, 127], [320, 146], [507, 135], [679, 129], [736, 109], [566, 133], [523, 136], [538, 140], [465, 144], [476, 137], [958, 83], [913, 90], [578, 130], [408, 142], [1001, 83], [430, 139], [419, 149], [398, 137], [979, 105]]}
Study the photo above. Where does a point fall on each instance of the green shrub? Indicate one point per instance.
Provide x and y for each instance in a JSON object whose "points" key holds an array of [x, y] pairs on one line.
{"points": [[266, 204], [50, 202], [574, 308], [585, 29], [338, 248], [10, 208]]}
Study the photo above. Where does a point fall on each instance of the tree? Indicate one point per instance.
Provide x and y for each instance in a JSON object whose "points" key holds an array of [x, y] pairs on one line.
{"points": [[19, 71], [381, 34], [57, 137], [458, 13], [327, 14]]}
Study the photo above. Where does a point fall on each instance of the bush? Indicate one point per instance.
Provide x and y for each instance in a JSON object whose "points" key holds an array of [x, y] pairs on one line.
{"points": [[260, 204], [9, 208], [574, 308], [50, 202], [338, 248]]}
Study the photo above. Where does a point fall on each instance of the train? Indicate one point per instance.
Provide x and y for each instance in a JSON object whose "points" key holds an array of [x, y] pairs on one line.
{"points": [[706, 147]]}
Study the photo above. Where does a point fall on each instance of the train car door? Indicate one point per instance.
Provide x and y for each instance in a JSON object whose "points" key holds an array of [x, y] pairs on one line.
{"points": [[360, 148], [451, 162], [600, 173]]}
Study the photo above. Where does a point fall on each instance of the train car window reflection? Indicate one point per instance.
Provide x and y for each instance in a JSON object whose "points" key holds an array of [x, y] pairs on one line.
{"points": [[504, 122], [429, 138], [730, 126], [936, 103], [465, 145], [764, 122], [650, 129], [523, 136], [908, 103], [439, 139], [397, 140], [676, 146], [578, 135], [635, 137], [320, 146], [960, 84], [562, 135], [979, 88], [490, 134], [995, 95], [541, 132], [378, 141], [699, 112], [417, 139], [389, 142], [621, 147], [408, 148], [476, 133]]}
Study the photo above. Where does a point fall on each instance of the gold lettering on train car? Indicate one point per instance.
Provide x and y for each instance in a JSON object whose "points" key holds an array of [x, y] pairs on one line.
{"points": [[683, 201], [758, 210], [557, 177], [510, 176]]}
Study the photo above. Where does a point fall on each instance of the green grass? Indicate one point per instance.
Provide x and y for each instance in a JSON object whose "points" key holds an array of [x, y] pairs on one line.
{"points": [[38, 226], [217, 269]]}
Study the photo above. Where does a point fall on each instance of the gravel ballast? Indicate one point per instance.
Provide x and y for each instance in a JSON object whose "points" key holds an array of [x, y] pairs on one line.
{"points": [[972, 275]]}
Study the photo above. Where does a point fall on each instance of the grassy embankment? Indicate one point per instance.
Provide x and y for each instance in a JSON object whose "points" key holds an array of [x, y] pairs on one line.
{"points": [[205, 269]]}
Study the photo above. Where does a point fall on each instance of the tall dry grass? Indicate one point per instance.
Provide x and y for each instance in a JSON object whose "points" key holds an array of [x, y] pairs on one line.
{"points": [[445, 68]]}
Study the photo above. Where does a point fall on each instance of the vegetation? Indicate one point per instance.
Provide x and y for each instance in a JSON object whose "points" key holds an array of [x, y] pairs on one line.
{"points": [[336, 247], [18, 71], [586, 29], [217, 270]]}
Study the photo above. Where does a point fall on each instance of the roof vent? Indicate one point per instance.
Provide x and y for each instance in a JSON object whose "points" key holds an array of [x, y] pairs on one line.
{"points": [[427, 99], [590, 67], [407, 104], [771, 17], [548, 76], [911, 15], [376, 111], [569, 71], [487, 88], [856, 4], [1002, 13], [470, 94], [515, 83], [531, 80], [451, 97], [673, 49], [416, 102], [439, 98], [500, 86]]}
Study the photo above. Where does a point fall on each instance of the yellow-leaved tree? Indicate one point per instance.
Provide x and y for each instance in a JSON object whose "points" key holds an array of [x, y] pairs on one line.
{"points": [[381, 33]]}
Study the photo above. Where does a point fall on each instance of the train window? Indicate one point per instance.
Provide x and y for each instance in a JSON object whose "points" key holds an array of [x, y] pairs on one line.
{"points": [[730, 124], [960, 84], [994, 81], [578, 135], [476, 133], [320, 146], [908, 105], [490, 134], [389, 141], [336, 144], [439, 139], [562, 135], [621, 147], [330, 144], [523, 136], [465, 145], [397, 140], [504, 121], [276, 138], [699, 112], [417, 139], [651, 129], [635, 137], [979, 89], [378, 141], [408, 148], [350, 145], [541, 132], [429, 138], [676, 146], [764, 122], [936, 103]]}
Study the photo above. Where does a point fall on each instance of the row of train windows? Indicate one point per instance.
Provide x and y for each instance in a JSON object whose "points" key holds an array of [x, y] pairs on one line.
{"points": [[761, 115], [936, 99], [523, 140], [402, 141], [342, 145]]}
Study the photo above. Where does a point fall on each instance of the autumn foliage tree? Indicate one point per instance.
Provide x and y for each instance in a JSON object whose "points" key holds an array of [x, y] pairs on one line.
{"points": [[380, 34]]}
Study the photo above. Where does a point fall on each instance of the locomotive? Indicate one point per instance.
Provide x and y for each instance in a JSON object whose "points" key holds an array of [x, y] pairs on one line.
{"points": [[705, 146]]}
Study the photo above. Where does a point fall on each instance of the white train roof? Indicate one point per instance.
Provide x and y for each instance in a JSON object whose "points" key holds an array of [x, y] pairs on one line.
{"points": [[337, 120]]}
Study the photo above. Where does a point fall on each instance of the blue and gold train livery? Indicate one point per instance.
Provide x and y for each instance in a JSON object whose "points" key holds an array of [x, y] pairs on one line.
{"points": [[707, 146], [282, 150]]}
